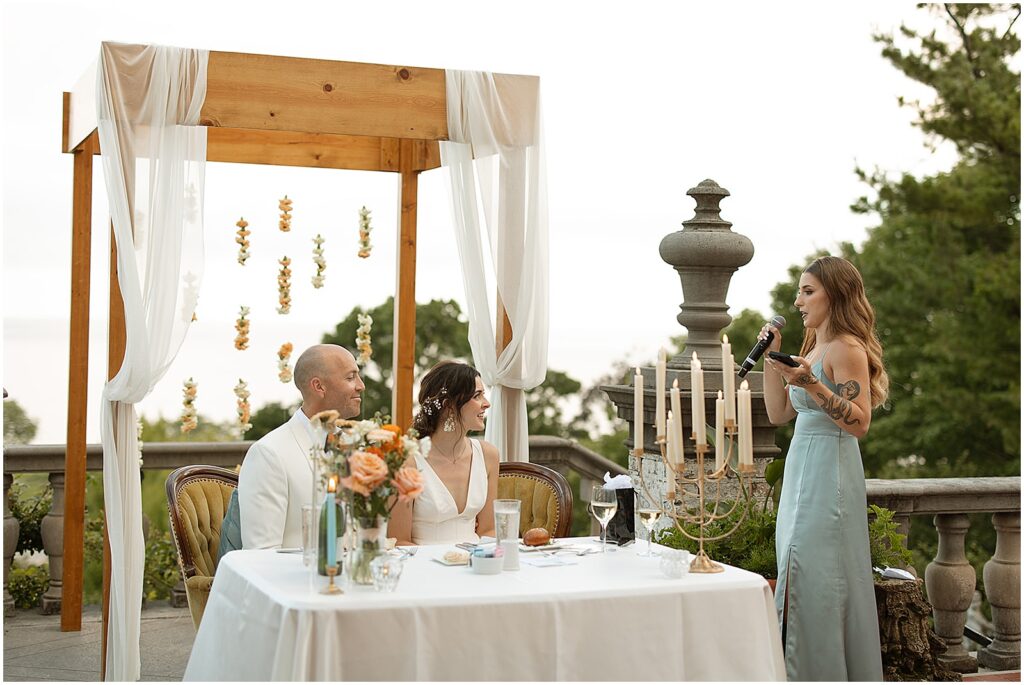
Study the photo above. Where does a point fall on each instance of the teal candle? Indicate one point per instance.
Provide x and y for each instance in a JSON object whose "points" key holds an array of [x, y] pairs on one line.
{"points": [[332, 533]]}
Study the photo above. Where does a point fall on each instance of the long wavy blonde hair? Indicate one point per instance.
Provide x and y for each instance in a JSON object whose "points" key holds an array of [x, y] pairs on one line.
{"points": [[851, 314]]}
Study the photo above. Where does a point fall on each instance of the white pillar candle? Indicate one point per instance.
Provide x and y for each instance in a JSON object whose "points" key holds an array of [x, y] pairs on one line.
{"points": [[659, 388], [719, 431], [677, 410], [670, 442], [638, 411], [697, 400], [746, 455], [728, 379]]}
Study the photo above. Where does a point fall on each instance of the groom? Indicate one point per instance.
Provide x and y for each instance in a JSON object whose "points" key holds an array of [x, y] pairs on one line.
{"points": [[276, 479]]}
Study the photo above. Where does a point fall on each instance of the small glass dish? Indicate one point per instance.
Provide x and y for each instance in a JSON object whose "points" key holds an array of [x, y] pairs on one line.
{"points": [[386, 570], [487, 566], [675, 562]]}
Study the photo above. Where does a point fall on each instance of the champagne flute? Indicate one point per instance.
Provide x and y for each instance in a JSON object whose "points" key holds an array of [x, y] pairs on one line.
{"points": [[649, 514], [603, 505]]}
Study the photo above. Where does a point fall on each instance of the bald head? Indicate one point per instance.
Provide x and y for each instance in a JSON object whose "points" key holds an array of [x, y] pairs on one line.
{"points": [[328, 378]]}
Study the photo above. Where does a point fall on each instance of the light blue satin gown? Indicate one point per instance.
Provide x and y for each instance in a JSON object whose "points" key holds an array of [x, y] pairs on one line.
{"points": [[823, 553]]}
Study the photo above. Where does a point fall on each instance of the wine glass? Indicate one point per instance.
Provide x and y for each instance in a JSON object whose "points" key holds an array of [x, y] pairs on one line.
{"points": [[649, 514], [603, 506]]}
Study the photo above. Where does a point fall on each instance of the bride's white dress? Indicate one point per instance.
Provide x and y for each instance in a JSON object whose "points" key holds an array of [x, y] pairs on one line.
{"points": [[435, 518]]}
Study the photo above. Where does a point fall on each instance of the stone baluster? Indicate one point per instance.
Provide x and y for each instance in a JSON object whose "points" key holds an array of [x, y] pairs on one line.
{"points": [[52, 530], [11, 530], [1002, 585], [950, 581]]}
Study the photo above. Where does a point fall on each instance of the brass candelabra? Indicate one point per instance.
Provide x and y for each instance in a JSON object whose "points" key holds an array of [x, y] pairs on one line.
{"points": [[696, 487]]}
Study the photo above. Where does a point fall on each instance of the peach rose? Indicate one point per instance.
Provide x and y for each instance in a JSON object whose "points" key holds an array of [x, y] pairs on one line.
{"points": [[409, 482], [368, 471]]}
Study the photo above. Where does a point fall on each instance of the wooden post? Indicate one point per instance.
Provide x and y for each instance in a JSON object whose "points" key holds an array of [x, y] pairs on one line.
{"points": [[404, 359], [78, 385]]}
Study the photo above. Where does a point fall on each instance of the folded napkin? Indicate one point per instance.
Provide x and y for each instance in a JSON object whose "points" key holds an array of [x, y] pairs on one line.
{"points": [[619, 482]]}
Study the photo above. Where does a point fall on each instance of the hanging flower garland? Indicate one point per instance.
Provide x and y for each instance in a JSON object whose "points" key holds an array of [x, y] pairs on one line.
{"points": [[363, 338], [364, 233], [285, 205], [242, 238], [242, 326], [242, 393], [138, 438], [284, 286], [189, 419], [284, 355], [318, 259]]}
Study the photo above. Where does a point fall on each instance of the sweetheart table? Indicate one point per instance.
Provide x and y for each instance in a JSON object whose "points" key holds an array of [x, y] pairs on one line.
{"points": [[611, 616]]}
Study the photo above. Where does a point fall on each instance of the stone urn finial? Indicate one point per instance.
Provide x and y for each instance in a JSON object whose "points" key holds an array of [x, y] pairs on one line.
{"points": [[706, 253]]}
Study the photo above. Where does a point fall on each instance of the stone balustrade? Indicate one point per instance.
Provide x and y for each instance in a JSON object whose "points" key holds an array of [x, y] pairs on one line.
{"points": [[563, 455], [949, 579]]}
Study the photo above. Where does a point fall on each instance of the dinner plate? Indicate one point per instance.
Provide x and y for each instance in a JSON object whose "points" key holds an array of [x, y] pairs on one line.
{"points": [[543, 548]]}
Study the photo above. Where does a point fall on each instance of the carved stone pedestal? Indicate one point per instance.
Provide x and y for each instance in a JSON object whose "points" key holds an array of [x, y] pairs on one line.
{"points": [[910, 649]]}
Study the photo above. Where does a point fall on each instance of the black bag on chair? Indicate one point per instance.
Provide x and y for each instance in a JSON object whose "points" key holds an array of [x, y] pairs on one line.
{"points": [[622, 527]]}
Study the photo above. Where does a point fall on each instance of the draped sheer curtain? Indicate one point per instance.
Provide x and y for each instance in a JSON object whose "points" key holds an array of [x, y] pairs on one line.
{"points": [[154, 160], [498, 184]]}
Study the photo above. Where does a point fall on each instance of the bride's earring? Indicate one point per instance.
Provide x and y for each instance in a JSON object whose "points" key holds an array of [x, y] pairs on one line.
{"points": [[449, 424]]}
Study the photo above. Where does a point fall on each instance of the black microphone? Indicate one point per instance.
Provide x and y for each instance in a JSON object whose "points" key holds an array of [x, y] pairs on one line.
{"points": [[760, 347]]}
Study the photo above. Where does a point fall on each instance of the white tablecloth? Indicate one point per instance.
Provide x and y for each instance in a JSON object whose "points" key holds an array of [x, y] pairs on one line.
{"points": [[606, 617]]}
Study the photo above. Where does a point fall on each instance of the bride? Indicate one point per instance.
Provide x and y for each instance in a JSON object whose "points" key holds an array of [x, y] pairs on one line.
{"points": [[460, 474]]}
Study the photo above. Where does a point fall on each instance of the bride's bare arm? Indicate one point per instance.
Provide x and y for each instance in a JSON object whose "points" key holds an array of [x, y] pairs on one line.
{"points": [[485, 519]]}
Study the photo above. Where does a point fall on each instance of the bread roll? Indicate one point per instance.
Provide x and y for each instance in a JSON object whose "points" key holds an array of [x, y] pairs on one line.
{"points": [[535, 537]]}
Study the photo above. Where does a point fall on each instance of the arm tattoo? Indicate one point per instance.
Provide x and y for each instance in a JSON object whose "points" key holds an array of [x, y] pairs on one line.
{"points": [[848, 390], [836, 407]]}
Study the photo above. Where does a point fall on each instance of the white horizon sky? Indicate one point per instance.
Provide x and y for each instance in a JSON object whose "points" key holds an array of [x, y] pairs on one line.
{"points": [[777, 103]]}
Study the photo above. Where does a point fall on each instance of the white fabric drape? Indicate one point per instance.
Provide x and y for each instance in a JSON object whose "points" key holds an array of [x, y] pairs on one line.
{"points": [[154, 160], [495, 159]]}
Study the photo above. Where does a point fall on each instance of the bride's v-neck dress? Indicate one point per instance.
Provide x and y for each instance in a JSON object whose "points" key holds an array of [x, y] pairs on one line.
{"points": [[435, 518]]}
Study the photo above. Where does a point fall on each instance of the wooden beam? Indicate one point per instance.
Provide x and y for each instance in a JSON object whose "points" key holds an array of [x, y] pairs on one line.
{"points": [[404, 360], [65, 121], [78, 385], [323, 96]]}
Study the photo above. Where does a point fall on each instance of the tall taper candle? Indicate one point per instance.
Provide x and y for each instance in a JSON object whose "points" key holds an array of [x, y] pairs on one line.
{"points": [[638, 411], [332, 531], [728, 379], [659, 388], [677, 411], [720, 449], [697, 400], [670, 440], [746, 456]]}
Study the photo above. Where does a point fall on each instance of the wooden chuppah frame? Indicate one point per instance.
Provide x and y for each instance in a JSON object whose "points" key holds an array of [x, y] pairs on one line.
{"points": [[263, 109]]}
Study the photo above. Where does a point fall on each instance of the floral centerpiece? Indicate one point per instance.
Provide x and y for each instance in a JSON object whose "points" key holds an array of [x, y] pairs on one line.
{"points": [[374, 462]]}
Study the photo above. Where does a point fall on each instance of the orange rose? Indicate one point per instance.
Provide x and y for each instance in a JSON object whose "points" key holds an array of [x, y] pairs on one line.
{"points": [[368, 471], [409, 483]]}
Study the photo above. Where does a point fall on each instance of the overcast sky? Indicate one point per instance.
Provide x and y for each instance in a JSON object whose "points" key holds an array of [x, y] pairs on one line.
{"points": [[776, 102]]}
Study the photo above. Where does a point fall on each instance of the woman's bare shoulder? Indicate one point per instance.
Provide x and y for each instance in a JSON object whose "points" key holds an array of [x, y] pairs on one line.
{"points": [[490, 452]]}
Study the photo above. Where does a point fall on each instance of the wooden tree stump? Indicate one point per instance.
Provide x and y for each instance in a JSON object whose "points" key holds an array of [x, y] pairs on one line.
{"points": [[910, 648]]}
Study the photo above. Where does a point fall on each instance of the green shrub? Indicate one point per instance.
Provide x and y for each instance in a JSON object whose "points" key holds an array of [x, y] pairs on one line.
{"points": [[27, 585], [162, 572], [751, 546], [888, 546], [29, 509]]}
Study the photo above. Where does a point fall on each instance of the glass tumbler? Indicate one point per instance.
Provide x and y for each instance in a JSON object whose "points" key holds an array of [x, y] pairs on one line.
{"points": [[506, 530], [308, 536], [385, 571]]}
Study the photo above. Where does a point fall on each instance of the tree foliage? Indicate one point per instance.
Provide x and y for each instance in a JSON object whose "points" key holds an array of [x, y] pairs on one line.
{"points": [[169, 430], [19, 427], [942, 267]]}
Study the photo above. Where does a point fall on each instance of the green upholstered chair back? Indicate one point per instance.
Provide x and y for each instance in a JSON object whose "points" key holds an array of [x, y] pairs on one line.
{"points": [[544, 493], [197, 500]]}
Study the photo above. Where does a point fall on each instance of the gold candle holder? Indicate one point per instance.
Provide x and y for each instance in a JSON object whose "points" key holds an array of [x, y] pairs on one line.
{"points": [[331, 588], [702, 517]]}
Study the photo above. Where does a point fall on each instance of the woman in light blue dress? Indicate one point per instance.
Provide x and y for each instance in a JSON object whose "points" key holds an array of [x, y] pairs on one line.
{"points": [[825, 593]]}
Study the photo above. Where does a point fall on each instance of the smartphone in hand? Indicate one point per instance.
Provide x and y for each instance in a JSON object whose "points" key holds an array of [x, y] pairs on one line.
{"points": [[784, 358]]}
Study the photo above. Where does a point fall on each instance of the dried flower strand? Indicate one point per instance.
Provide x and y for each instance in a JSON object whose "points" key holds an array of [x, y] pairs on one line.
{"points": [[364, 233], [363, 338], [189, 418], [318, 259], [242, 326], [285, 205], [244, 411], [284, 286], [284, 371], [242, 238], [189, 297]]}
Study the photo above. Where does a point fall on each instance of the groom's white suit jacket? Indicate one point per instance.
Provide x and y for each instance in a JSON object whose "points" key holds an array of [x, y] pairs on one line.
{"points": [[276, 480]]}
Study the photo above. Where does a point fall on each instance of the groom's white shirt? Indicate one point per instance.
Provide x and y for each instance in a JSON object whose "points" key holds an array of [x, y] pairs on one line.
{"points": [[276, 480]]}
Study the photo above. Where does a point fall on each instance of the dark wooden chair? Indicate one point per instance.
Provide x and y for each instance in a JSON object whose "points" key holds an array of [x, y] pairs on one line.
{"points": [[197, 500], [544, 493]]}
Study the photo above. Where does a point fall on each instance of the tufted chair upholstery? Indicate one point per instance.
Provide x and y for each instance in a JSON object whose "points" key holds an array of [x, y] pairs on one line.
{"points": [[197, 499], [544, 493]]}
